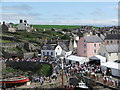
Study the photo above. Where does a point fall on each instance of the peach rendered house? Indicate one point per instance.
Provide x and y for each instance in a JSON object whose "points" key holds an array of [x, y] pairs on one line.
{"points": [[88, 46]]}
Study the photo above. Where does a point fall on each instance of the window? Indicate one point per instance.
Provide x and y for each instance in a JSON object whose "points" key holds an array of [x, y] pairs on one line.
{"points": [[84, 45], [56, 53], [84, 51], [107, 42], [94, 51], [47, 53], [111, 41], [94, 45], [43, 53], [51, 53], [58, 48], [109, 54]]}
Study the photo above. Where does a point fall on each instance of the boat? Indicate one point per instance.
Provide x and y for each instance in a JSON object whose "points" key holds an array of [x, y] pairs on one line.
{"points": [[8, 82], [81, 85]]}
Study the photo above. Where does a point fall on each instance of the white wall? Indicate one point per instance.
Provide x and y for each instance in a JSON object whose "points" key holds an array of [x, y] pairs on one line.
{"points": [[49, 53], [58, 50], [21, 26], [112, 56]]}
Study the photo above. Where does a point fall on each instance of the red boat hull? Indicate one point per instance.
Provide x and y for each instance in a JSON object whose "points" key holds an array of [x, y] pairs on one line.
{"points": [[22, 80]]}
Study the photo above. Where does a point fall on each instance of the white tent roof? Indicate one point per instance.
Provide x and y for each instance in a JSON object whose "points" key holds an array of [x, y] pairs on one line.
{"points": [[100, 57], [111, 65], [77, 58]]}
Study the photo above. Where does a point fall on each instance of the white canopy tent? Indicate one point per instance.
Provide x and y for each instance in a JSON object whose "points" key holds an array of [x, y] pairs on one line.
{"points": [[99, 57], [102, 59], [115, 68], [74, 59]]}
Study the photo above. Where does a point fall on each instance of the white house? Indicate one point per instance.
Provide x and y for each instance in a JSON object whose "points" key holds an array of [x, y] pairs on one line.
{"points": [[21, 26], [51, 50], [111, 52], [24, 26]]}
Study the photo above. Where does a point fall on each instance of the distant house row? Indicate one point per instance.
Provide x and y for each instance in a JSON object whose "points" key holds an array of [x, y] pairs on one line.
{"points": [[22, 26]]}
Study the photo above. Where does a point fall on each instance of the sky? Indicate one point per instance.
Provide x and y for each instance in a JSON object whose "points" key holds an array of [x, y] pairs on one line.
{"points": [[61, 13]]}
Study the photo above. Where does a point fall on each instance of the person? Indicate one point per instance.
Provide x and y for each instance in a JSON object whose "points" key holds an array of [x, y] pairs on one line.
{"points": [[4, 86]]}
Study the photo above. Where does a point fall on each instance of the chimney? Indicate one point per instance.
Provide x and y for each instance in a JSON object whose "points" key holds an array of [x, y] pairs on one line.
{"points": [[3, 22], [21, 21], [25, 21]]}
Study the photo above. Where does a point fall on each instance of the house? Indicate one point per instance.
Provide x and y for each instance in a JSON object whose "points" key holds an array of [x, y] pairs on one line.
{"points": [[112, 39], [51, 50], [111, 52], [24, 26], [11, 28], [88, 46]]}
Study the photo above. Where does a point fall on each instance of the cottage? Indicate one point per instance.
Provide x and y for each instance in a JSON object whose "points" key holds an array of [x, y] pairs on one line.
{"points": [[88, 46], [51, 50], [111, 52], [24, 26]]}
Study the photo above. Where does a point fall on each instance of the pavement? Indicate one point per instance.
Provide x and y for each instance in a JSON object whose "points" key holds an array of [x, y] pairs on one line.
{"points": [[54, 83]]}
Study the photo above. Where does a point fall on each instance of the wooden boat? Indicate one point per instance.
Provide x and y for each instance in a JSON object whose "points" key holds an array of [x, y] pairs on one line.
{"points": [[15, 80]]}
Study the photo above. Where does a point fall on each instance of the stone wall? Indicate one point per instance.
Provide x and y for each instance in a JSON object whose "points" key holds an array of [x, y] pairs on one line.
{"points": [[11, 45]]}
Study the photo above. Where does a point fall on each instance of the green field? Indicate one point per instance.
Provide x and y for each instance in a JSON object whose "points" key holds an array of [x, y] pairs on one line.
{"points": [[56, 26]]}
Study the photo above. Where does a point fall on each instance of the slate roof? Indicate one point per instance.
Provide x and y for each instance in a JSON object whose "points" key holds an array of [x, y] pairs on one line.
{"points": [[113, 48], [112, 36], [49, 47], [93, 39]]}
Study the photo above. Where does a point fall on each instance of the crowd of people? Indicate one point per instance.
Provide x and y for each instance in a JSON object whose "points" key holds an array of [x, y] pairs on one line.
{"points": [[29, 59], [86, 69], [92, 71]]}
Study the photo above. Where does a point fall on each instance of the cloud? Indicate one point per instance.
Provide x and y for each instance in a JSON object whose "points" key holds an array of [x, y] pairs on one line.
{"points": [[14, 13], [98, 12], [20, 7], [80, 22], [12, 16]]}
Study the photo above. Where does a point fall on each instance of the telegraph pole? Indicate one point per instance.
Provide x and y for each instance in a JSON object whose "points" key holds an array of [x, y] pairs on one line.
{"points": [[62, 75], [62, 72]]}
